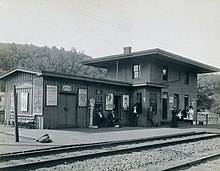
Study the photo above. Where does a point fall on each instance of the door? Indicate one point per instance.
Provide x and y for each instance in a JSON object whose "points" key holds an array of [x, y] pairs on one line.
{"points": [[153, 101], [164, 105], [67, 109], [186, 102], [117, 106]]}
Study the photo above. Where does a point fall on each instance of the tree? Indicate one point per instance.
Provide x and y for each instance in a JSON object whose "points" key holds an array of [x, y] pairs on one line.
{"points": [[45, 58], [209, 92]]}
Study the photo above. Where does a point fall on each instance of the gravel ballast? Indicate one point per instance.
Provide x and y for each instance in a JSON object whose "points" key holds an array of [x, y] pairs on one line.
{"points": [[155, 159]]}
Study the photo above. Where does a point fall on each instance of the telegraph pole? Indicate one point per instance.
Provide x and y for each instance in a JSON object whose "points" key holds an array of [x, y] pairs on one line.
{"points": [[16, 115]]}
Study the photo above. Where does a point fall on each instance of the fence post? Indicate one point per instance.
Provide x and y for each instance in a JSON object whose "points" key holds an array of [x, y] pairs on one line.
{"points": [[16, 115]]}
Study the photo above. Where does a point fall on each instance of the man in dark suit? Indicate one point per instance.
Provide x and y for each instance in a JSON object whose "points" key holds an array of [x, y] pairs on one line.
{"points": [[150, 115], [114, 120], [101, 120]]}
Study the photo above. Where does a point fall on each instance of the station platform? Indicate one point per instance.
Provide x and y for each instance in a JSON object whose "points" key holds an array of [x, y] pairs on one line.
{"points": [[27, 137]]}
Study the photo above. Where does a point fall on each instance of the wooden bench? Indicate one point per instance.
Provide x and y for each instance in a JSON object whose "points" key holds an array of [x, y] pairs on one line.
{"points": [[24, 120]]}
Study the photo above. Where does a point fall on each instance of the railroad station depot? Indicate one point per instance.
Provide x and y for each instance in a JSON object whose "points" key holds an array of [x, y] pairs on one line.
{"points": [[154, 77]]}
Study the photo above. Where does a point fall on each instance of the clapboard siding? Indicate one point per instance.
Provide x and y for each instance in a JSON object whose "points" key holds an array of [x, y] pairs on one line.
{"points": [[19, 79]]}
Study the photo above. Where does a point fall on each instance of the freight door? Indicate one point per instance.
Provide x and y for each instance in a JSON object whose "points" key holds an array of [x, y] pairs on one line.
{"points": [[67, 109]]}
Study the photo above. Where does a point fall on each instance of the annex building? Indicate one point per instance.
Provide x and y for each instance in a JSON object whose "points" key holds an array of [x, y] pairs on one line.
{"points": [[153, 77]]}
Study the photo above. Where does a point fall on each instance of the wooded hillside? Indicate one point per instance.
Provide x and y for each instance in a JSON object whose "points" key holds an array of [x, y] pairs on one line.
{"points": [[45, 58], [209, 92]]}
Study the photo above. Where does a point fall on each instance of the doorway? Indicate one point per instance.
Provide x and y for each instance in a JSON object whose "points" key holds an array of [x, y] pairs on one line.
{"points": [[186, 102], [117, 106], [176, 101], [67, 110], [164, 105]]}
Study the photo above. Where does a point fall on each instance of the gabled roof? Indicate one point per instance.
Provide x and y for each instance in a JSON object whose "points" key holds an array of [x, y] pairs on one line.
{"points": [[19, 70], [199, 67]]}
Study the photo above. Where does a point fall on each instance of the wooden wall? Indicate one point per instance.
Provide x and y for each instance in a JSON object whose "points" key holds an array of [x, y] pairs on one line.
{"points": [[51, 113], [24, 81]]}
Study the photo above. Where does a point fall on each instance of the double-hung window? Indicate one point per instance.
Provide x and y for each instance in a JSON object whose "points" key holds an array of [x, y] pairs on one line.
{"points": [[136, 71]]}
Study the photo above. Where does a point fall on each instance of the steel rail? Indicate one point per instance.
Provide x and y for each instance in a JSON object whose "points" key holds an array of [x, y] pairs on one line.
{"points": [[71, 159], [78, 147], [192, 163]]}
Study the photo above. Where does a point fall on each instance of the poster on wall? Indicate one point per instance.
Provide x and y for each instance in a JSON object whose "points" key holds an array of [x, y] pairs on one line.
{"points": [[12, 102], [51, 99], [38, 96], [24, 101], [171, 102], [125, 102], [82, 97], [109, 101]]}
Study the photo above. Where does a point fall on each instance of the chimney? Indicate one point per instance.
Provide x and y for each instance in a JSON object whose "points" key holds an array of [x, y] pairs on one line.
{"points": [[127, 50]]}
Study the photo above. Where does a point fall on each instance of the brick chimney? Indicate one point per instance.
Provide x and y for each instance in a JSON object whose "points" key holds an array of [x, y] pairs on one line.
{"points": [[127, 50]]}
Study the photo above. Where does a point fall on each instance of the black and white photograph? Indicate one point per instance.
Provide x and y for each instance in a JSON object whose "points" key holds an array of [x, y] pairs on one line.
{"points": [[109, 85]]}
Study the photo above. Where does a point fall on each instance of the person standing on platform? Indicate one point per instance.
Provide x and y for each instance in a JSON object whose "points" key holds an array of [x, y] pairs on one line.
{"points": [[150, 115], [174, 118], [191, 113], [134, 115]]}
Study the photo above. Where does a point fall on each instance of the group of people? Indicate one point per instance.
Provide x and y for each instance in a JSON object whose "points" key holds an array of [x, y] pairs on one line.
{"points": [[186, 114], [110, 120], [181, 115], [150, 116]]}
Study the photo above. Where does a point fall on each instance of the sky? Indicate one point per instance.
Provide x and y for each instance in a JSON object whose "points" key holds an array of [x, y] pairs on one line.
{"points": [[190, 28]]}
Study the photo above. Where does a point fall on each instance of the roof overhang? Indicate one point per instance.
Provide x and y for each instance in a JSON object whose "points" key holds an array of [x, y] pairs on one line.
{"points": [[83, 78], [198, 67], [149, 85], [3, 76]]}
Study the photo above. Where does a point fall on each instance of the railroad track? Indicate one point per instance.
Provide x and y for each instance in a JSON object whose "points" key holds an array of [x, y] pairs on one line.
{"points": [[96, 150], [189, 164]]}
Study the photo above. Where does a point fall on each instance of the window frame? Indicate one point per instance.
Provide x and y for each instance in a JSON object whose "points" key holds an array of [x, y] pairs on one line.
{"points": [[136, 71], [186, 78], [165, 74]]}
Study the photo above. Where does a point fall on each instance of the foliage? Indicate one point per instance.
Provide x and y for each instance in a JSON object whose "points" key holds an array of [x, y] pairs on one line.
{"points": [[209, 92], [45, 58]]}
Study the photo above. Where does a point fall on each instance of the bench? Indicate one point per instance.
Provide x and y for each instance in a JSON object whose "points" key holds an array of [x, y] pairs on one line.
{"points": [[113, 123], [24, 120]]}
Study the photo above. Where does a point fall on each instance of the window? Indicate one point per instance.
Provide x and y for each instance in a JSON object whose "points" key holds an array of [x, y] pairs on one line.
{"points": [[165, 73], [98, 98], [186, 78], [98, 101], [136, 71]]}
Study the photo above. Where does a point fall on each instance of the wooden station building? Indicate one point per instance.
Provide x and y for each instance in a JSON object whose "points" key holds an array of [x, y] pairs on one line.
{"points": [[152, 77]]}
